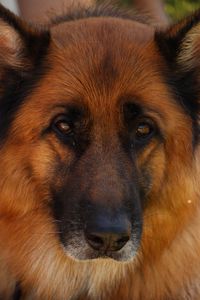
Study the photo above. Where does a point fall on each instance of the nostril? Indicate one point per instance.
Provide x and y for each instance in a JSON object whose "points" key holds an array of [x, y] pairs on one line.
{"points": [[122, 241], [94, 241], [106, 241]]}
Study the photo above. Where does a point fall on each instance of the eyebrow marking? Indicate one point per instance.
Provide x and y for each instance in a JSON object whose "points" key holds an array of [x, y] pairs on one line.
{"points": [[139, 105]]}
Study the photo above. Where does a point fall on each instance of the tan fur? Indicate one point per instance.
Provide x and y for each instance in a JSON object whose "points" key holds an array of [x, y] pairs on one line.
{"points": [[167, 264], [189, 55]]}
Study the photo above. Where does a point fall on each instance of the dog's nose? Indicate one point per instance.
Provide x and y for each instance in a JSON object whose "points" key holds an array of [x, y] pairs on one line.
{"points": [[104, 235]]}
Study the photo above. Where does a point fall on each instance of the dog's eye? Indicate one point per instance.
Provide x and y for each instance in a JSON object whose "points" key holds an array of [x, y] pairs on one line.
{"points": [[144, 130], [62, 126]]}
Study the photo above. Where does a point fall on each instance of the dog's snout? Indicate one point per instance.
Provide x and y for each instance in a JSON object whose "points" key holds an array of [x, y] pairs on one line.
{"points": [[105, 234]]}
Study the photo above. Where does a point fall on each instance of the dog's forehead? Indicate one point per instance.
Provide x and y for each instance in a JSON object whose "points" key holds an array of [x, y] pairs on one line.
{"points": [[95, 29], [98, 55]]}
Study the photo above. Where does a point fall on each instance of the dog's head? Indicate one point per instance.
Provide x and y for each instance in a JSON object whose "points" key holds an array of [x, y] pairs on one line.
{"points": [[99, 127]]}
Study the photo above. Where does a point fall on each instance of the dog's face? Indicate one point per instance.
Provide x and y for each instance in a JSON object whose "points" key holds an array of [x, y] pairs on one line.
{"points": [[96, 138]]}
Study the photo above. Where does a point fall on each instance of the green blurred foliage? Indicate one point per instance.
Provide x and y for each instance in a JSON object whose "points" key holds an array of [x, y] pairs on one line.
{"points": [[179, 8], [176, 9]]}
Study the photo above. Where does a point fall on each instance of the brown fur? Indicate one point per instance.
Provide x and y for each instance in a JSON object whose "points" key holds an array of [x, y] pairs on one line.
{"points": [[167, 263]]}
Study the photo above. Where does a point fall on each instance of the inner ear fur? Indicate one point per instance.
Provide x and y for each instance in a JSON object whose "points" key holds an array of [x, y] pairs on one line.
{"points": [[21, 44]]}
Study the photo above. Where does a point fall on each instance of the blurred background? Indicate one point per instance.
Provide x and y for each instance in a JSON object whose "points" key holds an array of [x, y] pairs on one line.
{"points": [[35, 10], [176, 9], [179, 8]]}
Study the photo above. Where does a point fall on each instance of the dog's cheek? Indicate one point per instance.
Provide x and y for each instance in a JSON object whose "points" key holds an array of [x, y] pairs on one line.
{"points": [[152, 172], [48, 165]]}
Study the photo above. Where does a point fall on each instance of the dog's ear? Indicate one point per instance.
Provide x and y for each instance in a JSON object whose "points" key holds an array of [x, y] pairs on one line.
{"points": [[180, 46], [20, 43]]}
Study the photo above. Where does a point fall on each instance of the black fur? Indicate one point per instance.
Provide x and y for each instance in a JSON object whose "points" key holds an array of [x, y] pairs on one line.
{"points": [[18, 293], [184, 84], [17, 84], [15, 92], [187, 90]]}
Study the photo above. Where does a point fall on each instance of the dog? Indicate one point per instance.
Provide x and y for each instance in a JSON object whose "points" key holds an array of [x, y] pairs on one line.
{"points": [[99, 158]]}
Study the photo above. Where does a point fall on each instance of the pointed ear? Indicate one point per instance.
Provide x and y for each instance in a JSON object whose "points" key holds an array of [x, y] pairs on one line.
{"points": [[180, 47], [20, 44], [180, 44]]}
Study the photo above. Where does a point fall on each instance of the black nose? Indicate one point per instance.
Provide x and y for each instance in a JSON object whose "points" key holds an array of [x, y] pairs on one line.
{"points": [[108, 235]]}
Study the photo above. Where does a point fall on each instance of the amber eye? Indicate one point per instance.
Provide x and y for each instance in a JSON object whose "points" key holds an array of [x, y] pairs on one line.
{"points": [[62, 126], [144, 130]]}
